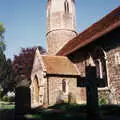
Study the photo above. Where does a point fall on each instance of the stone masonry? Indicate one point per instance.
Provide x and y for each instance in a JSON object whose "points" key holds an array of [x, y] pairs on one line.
{"points": [[61, 24]]}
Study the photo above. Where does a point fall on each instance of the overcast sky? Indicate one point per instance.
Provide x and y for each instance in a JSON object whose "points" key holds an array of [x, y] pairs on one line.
{"points": [[25, 20]]}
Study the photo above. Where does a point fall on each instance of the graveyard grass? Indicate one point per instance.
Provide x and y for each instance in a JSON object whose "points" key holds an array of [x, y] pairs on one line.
{"points": [[62, 111]]}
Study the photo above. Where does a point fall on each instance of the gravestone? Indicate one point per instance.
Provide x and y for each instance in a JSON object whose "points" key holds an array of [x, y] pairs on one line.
{"points": [[22, 100]]}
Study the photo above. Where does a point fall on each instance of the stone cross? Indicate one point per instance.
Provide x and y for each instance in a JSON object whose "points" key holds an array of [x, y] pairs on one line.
{"points": [[90, 82]]}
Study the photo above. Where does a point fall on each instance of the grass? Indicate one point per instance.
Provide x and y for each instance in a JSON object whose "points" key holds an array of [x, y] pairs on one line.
{"points": [[59, 112], [73, 111], [6, 105], [7, 111], [110, 110]]}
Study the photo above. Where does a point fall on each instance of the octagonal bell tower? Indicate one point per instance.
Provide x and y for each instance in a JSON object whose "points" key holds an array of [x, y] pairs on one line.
{"points": [[61, 24]]}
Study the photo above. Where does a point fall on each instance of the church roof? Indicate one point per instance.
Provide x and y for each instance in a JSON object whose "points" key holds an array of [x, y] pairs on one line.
{"points": [[95, 31], [58, 65]]}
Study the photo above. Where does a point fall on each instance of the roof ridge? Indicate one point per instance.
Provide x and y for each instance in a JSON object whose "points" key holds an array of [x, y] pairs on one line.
{"points": [[54, 56], [106, 24]]}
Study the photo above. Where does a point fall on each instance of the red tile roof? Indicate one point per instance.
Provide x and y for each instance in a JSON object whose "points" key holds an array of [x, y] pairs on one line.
{"points": [[100, 28], [59, 65]]}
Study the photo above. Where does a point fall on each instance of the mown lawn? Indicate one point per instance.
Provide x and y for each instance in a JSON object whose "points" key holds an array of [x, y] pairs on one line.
{"points": [[6, 105]]}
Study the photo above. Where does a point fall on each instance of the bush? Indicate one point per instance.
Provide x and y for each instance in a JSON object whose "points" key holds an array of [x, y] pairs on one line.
{"points": [[102, 101], [103, 97], [8, 99]]}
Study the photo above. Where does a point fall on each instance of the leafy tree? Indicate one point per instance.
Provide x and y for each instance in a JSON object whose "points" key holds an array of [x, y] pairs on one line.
{"points": [[6, 70], [2, 30], [6, 74], [22, 64], [8, 82], [2, 65]]}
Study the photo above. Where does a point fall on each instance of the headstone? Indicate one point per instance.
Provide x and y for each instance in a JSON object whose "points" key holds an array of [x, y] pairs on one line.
{"points": [[22, 100]]}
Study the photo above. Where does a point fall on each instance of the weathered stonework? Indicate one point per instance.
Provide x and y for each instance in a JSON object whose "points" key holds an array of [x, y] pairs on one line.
{"points": [[37, 75], [114, 75], [56, 93], [50, 85], [98, 46], [84, 57], [61, 24], [63, 36]]}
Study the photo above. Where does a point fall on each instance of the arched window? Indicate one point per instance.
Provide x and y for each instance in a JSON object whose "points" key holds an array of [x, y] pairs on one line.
{"points": [[66, 4], [100, 63], [98, 68], [64, 86]]}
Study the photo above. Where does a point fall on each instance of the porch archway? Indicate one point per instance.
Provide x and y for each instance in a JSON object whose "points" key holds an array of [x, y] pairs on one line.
{"points": [[36, 90]]}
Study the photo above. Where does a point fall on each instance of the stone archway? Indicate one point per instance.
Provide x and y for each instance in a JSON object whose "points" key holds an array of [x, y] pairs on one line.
{"points": [[36, 90]]}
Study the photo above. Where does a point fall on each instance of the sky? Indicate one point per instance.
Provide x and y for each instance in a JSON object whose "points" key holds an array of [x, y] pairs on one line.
{"points": [[25, 20]]}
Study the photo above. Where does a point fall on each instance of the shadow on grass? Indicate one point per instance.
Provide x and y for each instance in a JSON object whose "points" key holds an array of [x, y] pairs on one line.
{"points": [[7, 114], [62, 112], [78, 112]]}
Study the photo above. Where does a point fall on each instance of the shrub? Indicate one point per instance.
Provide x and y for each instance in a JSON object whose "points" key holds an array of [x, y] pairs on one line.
{"points": [[103, 96], [102, 101], [8, 99]]}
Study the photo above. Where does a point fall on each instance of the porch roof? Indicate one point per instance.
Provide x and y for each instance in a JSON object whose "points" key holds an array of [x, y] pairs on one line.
{"points": [[59, 65]]}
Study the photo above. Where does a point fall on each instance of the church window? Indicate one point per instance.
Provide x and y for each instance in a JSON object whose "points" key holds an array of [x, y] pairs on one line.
{"points": [[117, 58], [101, 69], [98, 68], [66, 4], [64, 86]]}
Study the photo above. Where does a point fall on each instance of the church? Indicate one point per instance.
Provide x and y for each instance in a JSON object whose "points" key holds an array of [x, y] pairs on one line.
{"points": [[54, 76]]}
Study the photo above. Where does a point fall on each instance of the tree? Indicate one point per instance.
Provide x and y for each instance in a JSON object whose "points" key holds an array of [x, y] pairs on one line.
{"points": [[6, 70], [2, 65], [2, 30], [6, 74], [22, 64]]}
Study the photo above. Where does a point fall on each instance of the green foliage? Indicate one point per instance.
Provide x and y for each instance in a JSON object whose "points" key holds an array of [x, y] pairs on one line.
{"points": [[2, 43], [2, 28], [2, 66], [102, 101], [103, 97], [8, 99], [6, 73]]}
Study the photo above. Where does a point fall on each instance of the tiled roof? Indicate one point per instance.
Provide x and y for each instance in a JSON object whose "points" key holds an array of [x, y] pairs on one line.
{"points": [[59, 65], [100, 28]]}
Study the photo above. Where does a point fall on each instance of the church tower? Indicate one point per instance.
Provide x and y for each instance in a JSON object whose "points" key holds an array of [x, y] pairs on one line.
{"points": [[61, 24]]}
